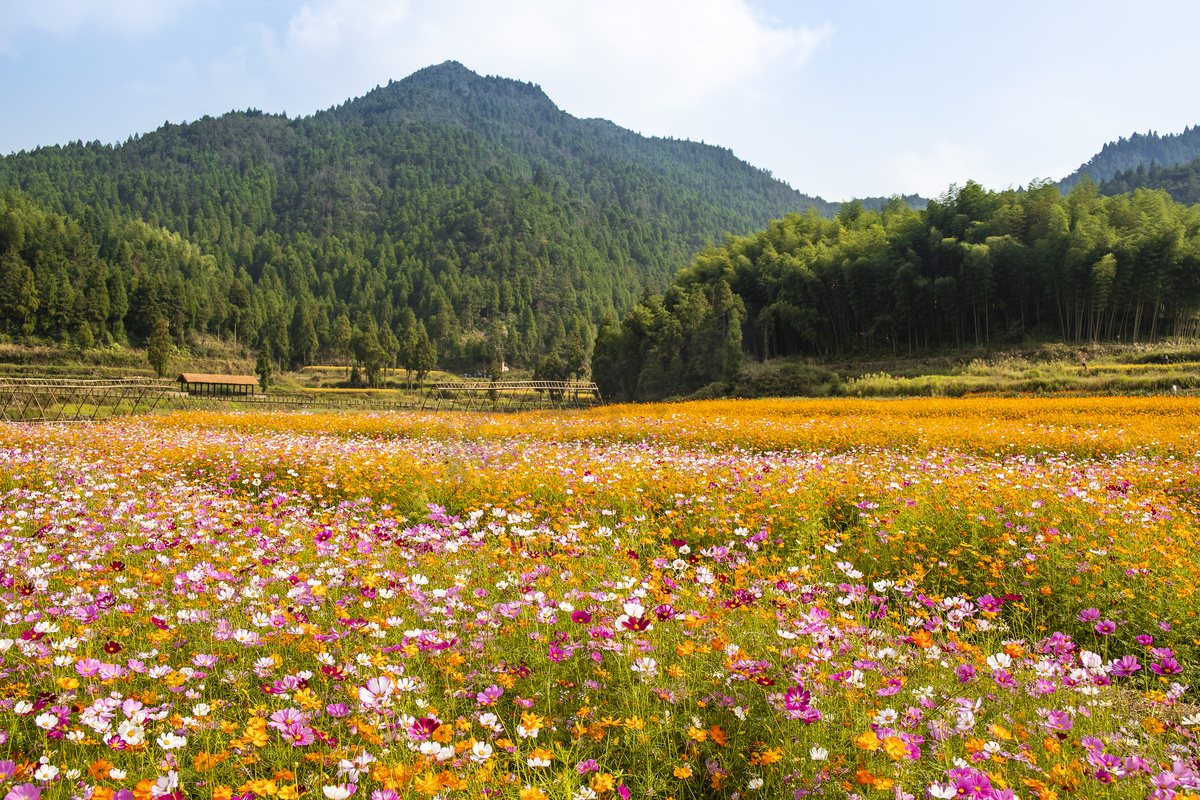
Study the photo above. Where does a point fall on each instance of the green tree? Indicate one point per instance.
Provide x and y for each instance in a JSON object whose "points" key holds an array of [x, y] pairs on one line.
{"points": [[370, 353], [343, 339], [409, 352], [84, 338], [426, 353], [262, 368], [159, 346], [239, 304]]}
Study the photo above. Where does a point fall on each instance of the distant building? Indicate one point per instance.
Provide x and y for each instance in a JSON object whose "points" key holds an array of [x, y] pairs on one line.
{"points": [[217, 385]]}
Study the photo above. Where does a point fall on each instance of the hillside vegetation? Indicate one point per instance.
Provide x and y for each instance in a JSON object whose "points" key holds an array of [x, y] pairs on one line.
{"points": [[1139, 150], [974, 269], [466, 212]]}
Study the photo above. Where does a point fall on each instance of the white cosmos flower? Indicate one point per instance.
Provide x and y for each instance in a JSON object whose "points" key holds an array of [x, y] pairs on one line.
{"points": [[169, 741], [999, 661], [377, 693], [818, 753], [943, 791], [46, 772], [131, 732], [481, 752]]}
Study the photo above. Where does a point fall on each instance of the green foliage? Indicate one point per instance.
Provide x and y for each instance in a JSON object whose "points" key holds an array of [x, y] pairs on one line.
{"points": [[1181, 181], [974, 269], [262, 368], [467, 203], [1137, 154], [158, 348]]}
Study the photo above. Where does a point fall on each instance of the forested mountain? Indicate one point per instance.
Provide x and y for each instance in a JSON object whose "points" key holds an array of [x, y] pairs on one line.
{"points": [[467, 213], [1181, 181], [1139, 150], [974, 267]]}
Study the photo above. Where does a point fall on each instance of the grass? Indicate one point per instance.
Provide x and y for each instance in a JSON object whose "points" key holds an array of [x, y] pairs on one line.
{"points": [[1050, 369]]}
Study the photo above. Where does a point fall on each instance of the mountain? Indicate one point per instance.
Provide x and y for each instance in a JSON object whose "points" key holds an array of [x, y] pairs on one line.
{"points": [[519, 118], [469, 210], [1138, 150]]}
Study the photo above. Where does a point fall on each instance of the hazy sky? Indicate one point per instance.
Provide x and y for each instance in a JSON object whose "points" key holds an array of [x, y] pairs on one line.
{"points": [[839, 99]]}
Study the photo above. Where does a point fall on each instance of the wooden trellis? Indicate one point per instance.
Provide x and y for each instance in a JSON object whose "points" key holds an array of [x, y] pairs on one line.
{"points": [[57, 400], [511, 395]]}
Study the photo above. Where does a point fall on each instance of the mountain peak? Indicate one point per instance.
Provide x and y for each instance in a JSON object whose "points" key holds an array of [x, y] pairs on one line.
{"points": [[451, 93]]}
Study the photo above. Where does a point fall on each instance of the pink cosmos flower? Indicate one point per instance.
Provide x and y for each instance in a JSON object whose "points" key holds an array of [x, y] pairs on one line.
{"points": [[377, 693], [88, 667], [489, 695], [1058, 720], [1125, 666]]}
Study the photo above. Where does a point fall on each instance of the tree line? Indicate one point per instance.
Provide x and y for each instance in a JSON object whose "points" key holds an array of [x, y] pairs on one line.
{"points": [[974, 268]]}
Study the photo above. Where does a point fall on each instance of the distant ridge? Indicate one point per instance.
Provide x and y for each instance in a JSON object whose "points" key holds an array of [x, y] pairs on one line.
{"points": [[1140, 149]]}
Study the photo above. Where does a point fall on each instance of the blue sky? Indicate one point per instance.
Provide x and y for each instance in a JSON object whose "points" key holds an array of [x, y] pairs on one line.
{"points": [[838, 99]]}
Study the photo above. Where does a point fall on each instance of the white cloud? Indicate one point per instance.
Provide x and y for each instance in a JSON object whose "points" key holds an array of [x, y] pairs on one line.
{"points": [[931, 169], [129, 19], [640, 62]]}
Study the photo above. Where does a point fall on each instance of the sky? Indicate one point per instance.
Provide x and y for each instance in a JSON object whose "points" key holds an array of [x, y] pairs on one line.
{"points": [[839, 99]]}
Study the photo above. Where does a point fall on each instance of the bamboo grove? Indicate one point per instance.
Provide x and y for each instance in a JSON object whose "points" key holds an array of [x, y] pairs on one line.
{"points": [[976, 268]]}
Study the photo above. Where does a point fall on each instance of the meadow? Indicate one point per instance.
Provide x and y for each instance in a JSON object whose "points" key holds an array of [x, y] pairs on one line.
{"points": [[933, 598]]}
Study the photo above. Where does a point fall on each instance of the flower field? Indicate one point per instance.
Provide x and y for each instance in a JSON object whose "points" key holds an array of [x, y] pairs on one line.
{"points": [[978, 598]]}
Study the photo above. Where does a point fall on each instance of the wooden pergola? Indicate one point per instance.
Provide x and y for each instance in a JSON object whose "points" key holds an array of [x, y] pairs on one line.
{"points": [[195, 383], [512, 395]]}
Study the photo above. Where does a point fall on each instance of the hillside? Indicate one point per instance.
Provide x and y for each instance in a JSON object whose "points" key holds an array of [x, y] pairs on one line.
{"points": [[1181, 181], [1139, 150], [594, 157], [470, 212]]}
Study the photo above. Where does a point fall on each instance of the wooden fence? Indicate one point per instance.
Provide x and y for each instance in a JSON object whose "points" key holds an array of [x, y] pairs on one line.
{"points": [[58, 400], [511, 395]]}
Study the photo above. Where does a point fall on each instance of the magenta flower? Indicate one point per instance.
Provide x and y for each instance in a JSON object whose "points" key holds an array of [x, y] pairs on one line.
{"points": [[1058, 720], [1168, 666], [589, 765], [26, 791], [1088, 614], [489, 695], [1125, 666], [299, 734], [1106, 627]]}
